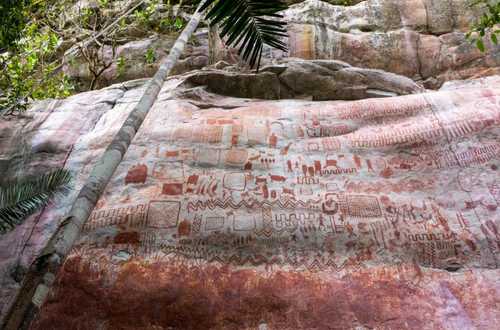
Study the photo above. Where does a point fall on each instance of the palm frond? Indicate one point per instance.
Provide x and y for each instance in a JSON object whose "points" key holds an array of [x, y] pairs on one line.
{"points": [[250, 24], [22, 197]]}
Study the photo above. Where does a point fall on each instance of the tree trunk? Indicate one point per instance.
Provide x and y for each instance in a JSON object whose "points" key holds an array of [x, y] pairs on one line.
{"points": [[216, 48], [218, 51], [42, 272]]}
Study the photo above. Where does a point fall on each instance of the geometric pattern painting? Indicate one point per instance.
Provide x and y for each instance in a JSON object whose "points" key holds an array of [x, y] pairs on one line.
{"points": [[163, 214], [272, 215]]}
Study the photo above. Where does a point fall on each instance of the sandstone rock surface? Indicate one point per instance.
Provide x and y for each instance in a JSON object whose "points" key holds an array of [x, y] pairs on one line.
{"points": [[265, 200], [421, 39], [72, 133], [318, 80], [135, 65], [287, 214]]}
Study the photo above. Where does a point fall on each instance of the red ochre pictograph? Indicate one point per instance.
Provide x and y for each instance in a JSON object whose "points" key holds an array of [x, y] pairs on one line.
{"points": [[277, 207]]}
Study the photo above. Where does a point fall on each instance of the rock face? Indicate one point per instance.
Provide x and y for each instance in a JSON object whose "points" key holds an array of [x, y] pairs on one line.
{"points": [[236, 213], [318, 80], [141, 39], [267, 200], [135, 65], [72, 133], [421, 39]]}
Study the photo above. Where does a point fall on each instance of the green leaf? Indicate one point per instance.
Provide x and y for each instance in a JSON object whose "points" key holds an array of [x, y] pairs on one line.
{"points": [[179, 23], [251, 24], [23, 197], [494, 38], [480, 45]]}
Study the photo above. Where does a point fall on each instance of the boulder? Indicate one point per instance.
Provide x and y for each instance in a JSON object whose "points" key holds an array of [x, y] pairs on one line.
{"points": [[318, 80]]}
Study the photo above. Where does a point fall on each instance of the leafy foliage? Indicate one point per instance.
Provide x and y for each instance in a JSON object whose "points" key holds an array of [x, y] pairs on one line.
{"points": [[13, 18], [37, 36], [120, 64], [21, 198], [251, 24], [487, 23], [28, 72], [150, 56], [170, 22], [143, 16]]}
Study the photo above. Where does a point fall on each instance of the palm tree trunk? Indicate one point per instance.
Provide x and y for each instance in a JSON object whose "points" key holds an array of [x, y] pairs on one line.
{"points": [[42, 272]]}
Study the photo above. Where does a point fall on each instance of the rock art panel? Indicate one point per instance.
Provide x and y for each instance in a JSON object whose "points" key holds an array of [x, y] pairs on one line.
{"points": [[293, 214]]}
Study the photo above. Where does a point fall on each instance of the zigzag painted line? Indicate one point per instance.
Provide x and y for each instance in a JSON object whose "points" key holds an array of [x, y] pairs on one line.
{"points": [[212, 204], [313, 265]]}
